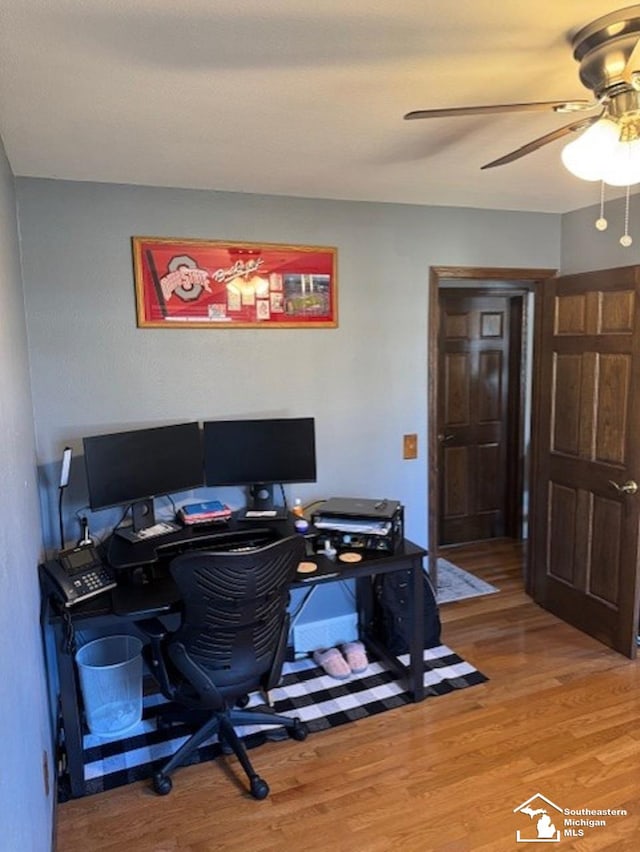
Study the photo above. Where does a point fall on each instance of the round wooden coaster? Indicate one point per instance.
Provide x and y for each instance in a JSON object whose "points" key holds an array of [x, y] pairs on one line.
{"points": [[307, 567], [350, 557]]}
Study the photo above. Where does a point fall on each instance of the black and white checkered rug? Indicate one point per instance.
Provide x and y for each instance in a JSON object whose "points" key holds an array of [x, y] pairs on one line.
{"points": [[305, 691]]}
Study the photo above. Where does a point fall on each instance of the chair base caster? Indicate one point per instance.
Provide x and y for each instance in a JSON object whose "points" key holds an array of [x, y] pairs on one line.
{"points": [[259, 788], [299, 731], [162, 784]]}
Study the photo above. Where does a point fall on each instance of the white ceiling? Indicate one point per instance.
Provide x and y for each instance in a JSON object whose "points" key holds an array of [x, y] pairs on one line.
{"points": [[293, 97]]}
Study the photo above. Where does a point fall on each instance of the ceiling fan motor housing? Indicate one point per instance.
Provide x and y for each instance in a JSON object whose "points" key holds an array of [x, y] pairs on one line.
{"points": [[603, 49]]}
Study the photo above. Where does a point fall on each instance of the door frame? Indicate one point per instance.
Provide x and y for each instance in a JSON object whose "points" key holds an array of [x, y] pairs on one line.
{"points": [[483, 278]]}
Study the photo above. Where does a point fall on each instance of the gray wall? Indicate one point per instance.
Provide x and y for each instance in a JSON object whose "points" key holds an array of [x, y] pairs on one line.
{"points": [[364, 382], [584, 248], [25, 810]]}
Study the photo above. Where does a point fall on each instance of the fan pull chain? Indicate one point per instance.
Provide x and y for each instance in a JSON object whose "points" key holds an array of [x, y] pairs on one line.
{"points": [[601, 222], [625, 239]]}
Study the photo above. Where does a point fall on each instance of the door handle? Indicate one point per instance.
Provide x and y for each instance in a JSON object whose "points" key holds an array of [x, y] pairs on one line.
{"points": [[442, 437], [629, 487]]}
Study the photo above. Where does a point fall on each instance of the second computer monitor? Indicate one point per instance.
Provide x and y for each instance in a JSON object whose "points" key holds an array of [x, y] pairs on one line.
{"points": [[260, 454]]}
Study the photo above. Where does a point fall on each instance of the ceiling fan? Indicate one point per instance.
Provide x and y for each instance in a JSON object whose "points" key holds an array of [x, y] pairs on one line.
{"points": [[608, 51]]}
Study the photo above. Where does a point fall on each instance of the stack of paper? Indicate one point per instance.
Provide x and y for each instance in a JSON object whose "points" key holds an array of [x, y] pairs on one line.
{"points": [[368, 526]]}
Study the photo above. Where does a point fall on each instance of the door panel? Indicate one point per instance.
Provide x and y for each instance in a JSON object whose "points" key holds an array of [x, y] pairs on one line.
{"points": [[475, 421], [584, 532]]}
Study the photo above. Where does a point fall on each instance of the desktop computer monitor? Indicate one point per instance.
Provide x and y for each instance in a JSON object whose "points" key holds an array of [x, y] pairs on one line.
{"points": [[136, 466], [260, 454]]}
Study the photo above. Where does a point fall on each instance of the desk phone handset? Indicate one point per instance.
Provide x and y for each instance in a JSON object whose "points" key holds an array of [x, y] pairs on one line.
{"points": [[79, 573]]}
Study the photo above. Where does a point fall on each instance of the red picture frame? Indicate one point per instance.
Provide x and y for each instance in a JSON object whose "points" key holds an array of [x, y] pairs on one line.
{"points": [[189, 283]]}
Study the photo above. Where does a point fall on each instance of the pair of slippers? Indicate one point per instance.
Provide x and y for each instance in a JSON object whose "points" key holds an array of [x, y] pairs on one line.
{"points": [[350, 658]]}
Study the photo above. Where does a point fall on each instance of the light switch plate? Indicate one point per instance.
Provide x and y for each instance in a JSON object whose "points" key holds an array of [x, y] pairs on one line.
{"points": [[410, 446]]}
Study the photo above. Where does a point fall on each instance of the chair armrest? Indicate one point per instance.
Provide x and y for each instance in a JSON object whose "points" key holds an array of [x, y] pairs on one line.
{"points": [[153, 653], [153, 628], [274, 675]]}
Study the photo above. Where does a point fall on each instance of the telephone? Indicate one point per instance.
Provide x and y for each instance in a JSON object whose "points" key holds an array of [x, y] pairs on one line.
{"points": [[79, 573]]}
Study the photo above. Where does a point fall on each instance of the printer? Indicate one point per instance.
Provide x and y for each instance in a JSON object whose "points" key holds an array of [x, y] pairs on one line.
{"points": [[354, 523]]}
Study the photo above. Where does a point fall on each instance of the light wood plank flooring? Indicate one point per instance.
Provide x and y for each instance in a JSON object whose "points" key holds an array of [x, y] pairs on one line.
{"points": [[559, 716]]}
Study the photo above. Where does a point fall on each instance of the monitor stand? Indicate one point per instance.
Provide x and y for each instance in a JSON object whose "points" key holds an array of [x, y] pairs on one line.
{"points": [[260, 506], [142, 514], [143, 517], [261, 496]]}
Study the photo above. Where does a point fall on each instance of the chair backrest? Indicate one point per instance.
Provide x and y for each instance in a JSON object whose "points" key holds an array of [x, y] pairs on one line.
{"points": [[234, 614]]}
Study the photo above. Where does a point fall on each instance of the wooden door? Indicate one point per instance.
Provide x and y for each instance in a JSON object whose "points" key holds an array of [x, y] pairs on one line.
{"points": [[475, 418], [584, 561]]}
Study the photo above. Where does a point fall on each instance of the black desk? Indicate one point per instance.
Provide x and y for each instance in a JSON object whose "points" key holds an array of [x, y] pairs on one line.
{"points": [[157, 595]]}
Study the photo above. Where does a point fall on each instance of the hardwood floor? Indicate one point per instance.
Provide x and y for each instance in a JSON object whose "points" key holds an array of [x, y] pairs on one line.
{"points": [[559, 716]]}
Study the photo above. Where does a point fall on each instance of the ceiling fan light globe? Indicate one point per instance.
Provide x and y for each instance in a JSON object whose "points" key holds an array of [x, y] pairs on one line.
{"points": [[622, 167], [581, 167], [585, 156]]}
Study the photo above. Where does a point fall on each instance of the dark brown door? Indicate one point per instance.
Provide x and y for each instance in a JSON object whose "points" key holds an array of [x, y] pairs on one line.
{"points": [[585, 511], [475, 418]]}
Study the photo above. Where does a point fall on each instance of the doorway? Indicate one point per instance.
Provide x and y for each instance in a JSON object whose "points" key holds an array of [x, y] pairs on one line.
{"points": [[481, 362]]}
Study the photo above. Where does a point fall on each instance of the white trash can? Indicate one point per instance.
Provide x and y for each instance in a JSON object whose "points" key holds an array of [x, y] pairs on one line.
{"points": [[111, 680]]}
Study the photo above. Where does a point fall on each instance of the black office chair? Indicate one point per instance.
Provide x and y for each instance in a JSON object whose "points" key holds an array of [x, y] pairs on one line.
{"points": [[231, 641]]}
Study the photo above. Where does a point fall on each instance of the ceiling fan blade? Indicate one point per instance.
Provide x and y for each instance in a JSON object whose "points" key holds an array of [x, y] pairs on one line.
{"points": [[530, 147], [557, 106]]}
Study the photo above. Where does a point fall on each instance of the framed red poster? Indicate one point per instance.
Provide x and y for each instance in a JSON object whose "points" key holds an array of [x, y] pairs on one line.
{"points": [[183, 283]]}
